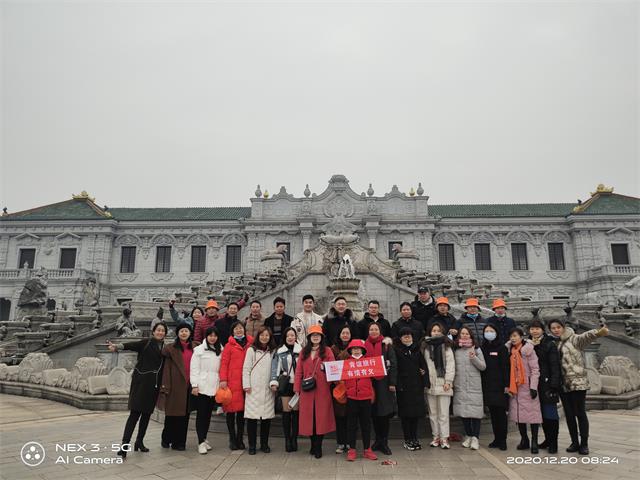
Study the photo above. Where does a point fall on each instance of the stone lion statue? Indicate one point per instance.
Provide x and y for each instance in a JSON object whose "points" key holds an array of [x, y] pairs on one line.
{"points": [[629, 296], [279, 251], [397, 249]]}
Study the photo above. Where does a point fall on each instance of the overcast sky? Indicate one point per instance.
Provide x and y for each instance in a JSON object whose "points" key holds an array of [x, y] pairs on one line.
{"points": [[193, 104]]}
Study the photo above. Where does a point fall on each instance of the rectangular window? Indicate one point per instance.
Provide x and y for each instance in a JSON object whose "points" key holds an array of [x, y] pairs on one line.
{"points": [[556, 256], [67, 258], [519, 256], [391, 244], [234, 258], [28, 256], [620, 253], [163, 259], [446, 256], [127, 259], [287, 254], [483, 256], [198, 258]]}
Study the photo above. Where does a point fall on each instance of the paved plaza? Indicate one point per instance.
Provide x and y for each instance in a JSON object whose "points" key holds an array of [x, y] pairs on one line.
{"points": [[615, 434]]}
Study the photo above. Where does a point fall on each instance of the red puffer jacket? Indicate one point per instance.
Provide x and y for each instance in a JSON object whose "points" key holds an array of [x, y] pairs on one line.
{"points": [[359, 388], [231, 365]]}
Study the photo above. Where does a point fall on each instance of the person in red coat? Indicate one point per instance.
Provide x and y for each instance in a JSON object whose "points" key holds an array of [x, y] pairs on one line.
{"points": [[316, 405], [211, 317], [359, 399], [231, 376]]}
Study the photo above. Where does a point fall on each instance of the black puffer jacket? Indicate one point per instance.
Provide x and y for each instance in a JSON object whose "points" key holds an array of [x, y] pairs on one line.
{"points": [[423, 312], [333, 323], [410, 384], [363, 326], [550, 369]]}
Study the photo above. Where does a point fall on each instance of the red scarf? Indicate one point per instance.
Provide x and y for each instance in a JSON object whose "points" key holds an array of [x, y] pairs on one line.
{"points": [[187, 353], [374, 346]]}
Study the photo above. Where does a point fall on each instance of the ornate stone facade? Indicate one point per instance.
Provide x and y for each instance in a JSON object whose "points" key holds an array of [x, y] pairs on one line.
{"points": [[586, 233]]}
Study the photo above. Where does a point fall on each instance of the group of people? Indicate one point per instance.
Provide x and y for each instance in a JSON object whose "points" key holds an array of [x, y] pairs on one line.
{"points": [[258, 366]]}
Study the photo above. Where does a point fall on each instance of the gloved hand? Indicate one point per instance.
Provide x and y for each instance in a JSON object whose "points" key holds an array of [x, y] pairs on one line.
{"points": [[534, 393]]}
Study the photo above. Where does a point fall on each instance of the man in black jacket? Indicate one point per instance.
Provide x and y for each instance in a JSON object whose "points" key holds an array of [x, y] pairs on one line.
{"points": [[339, 315], [500, 321], [373, 315], [423, 306], [278, 321]]}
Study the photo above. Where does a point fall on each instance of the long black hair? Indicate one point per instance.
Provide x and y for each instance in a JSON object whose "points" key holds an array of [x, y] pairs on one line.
{"points": [[306, 350], [284, 335], [217, 346]]}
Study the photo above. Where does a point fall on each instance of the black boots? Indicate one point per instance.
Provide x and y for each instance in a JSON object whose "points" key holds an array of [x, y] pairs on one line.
{"points": [[316, 446], [584, 446], [294, 430], [534, 438], [140, 446], [524, 438], [551, 429], [286, 427], [384, 446], [265, 427], [252, 434]]}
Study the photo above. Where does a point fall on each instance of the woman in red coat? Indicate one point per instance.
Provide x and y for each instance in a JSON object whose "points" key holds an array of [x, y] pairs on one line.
{"points": [[316, 405], [231, 376]]}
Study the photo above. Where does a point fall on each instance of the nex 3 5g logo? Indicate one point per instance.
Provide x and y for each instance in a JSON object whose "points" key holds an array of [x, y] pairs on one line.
{"points": [[33, 453]]}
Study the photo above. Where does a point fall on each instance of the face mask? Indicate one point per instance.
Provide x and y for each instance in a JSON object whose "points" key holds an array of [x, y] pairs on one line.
{"points": [[356, 356], [472, 315], [491, 336]]}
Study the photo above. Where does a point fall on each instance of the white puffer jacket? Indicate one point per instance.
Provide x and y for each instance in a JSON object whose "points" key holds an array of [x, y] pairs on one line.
{"points": [[256, 374], [205, 370]]}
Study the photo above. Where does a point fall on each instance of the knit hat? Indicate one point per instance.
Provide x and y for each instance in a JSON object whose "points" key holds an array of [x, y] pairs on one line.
{"points": [[405, 331], [182, 325]]}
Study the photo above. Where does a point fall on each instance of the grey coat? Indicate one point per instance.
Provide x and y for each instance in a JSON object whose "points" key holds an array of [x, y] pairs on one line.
{"points": [[467, 385]]}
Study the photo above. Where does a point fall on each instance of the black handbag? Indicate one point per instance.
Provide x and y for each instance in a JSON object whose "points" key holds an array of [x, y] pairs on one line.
{"points": [[283, 384], [309, 383]]}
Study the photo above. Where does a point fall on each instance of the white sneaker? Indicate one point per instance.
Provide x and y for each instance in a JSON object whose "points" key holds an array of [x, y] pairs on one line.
{"points": [[466, 442], [202, 448], [206, 443], [435, 442], [219, 411], [475, 444], [340, 449], [444, 444]]}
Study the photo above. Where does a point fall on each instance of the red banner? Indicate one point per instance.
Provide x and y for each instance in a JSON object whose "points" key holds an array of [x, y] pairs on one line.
{"points": [[351, 368]]}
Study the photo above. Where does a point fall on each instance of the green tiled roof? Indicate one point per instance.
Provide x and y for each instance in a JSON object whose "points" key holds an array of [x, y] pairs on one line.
{"points": [[502, 210], [85, 209], [612, 204], [67, 210], [177, 214]]}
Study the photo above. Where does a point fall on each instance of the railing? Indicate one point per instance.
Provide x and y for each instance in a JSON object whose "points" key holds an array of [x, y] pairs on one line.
{"points": [[614, 270], [52, 274]]}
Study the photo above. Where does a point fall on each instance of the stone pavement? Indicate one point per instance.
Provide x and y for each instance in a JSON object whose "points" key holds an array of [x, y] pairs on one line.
{"points": [[615, 434]]}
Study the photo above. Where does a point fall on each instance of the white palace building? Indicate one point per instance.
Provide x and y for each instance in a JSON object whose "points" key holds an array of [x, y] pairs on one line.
{"points": [[539, 251]]}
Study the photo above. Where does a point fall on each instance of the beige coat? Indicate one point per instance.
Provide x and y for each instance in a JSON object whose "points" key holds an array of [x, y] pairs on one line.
{"points": [[570, 346], [437, 383], [256, 375]]}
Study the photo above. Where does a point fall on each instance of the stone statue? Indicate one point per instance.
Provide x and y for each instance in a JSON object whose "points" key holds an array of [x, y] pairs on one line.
{"points": [[397, 249], [158, 319], [125, 326], [346, 269], [90, 295], [33, 297], [279, 252], [629, 296], [339, 231]]}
